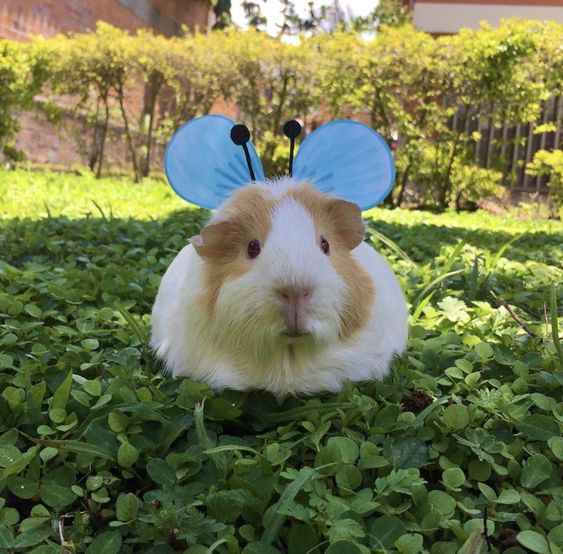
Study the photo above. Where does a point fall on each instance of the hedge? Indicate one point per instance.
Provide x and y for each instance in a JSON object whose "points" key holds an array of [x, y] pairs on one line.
{"points": [[405, 83]]}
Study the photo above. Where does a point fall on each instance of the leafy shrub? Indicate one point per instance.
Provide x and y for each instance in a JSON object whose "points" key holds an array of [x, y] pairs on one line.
{"points": [[445, 179], [549, 164], [101, 452], [414, 89], [22, 74]]}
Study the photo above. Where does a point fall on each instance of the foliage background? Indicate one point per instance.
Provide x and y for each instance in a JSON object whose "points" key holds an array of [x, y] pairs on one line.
{"points": [[403, 82], [102, 453]]}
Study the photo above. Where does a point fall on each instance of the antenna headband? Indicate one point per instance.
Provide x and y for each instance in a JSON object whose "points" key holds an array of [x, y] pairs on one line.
{"points": [[205, 164]]}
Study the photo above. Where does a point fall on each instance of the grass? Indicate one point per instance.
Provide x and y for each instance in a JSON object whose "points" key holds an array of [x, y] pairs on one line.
{"points": [[101, 453]]}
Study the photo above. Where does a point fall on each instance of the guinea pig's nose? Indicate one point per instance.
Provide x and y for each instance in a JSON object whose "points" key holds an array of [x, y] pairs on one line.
{"points": [[293, 295]]}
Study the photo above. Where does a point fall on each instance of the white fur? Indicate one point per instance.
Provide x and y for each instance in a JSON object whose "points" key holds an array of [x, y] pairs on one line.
{"points": [[242, 345]]}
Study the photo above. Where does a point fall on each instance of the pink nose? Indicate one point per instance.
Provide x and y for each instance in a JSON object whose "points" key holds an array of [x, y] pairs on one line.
{"points": [[290, 295], [295, 302]]}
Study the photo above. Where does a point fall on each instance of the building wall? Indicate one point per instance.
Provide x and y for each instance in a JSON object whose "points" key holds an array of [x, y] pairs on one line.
{"points": [[62, 145], [449, 16], [19, 18]]}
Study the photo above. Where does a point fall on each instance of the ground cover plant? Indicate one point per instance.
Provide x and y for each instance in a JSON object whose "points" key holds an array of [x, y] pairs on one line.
{"points": [[459, 450]]}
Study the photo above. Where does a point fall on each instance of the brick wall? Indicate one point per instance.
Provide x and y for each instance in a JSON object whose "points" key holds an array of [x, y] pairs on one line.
{"points": [[19, 18], [66, 146], [43, 142]]}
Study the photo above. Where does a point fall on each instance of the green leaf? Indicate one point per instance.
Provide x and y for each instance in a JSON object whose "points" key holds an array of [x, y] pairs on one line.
{"points": [[19, 463], [487, 492], [536, 470], [287, 497], [456, 416], [127, 455], [508, 496], [484, 351], [555, 536], [377, 236], [348, 477], [349, 449], [474, 543], [556, 445], [409, 452], [137, 329], [90, 344], [126, 507], [106, 543], [56, 496], [94, 388], [60, 397], [479, 470], [161, 472], [9, 454], [533, 541], [538, 427], [385, 531], [33, 311], [343, 547], [32, 536], [453, 477], [441, 502], [77, 447], [117, 421], [6, 537], [259, 547], [302, 539], [410, 543], [21, 487]]}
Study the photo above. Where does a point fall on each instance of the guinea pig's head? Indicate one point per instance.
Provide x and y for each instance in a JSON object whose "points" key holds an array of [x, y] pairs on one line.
{"points": [[278, 270]]}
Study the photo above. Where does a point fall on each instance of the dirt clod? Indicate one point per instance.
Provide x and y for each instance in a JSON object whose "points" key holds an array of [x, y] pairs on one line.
{"points": [[416, 400]]}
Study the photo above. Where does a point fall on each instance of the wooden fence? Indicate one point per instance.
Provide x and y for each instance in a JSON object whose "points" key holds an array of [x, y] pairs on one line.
{"points": [[509, 147]]}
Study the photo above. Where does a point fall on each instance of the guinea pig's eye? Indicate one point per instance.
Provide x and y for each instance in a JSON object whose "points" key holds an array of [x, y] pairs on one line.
{"points": [[325, 247], [253, 249]]}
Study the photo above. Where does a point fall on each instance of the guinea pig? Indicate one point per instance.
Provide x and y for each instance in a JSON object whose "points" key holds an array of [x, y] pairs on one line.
{"points": [[279, 292]]}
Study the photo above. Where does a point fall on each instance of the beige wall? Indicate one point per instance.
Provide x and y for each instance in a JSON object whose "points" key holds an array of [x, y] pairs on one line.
{"points": [[449, 17]]}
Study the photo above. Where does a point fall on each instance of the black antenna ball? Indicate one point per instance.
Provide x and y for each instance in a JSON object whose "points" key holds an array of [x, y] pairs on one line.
{"points": [[292, 129], [240, 134]]}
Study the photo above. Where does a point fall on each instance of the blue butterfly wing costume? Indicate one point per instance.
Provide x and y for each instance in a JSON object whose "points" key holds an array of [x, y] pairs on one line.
{"points": [[345, 158]]}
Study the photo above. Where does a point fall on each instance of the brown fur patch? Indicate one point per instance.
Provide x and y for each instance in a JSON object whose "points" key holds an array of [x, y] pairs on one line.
{"points": [[223, 242], [340, 222], [360, 297], [341, 218]]}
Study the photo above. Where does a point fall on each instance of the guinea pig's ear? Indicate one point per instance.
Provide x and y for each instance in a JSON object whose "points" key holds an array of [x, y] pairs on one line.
{"points": [[213, 241], [347, 219]]}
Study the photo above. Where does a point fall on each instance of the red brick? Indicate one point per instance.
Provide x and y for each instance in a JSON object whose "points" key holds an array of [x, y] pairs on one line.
{"points": [[43, 142]]}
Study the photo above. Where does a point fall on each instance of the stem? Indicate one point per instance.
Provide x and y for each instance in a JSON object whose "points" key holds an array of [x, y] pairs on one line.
{"points": [[445, 183], [383, 113], [128, 133], [104, 134], [458, 201], [513, 314], [95, 140], [156, 84], [402, 185], [283, 94], [270, 148]]}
